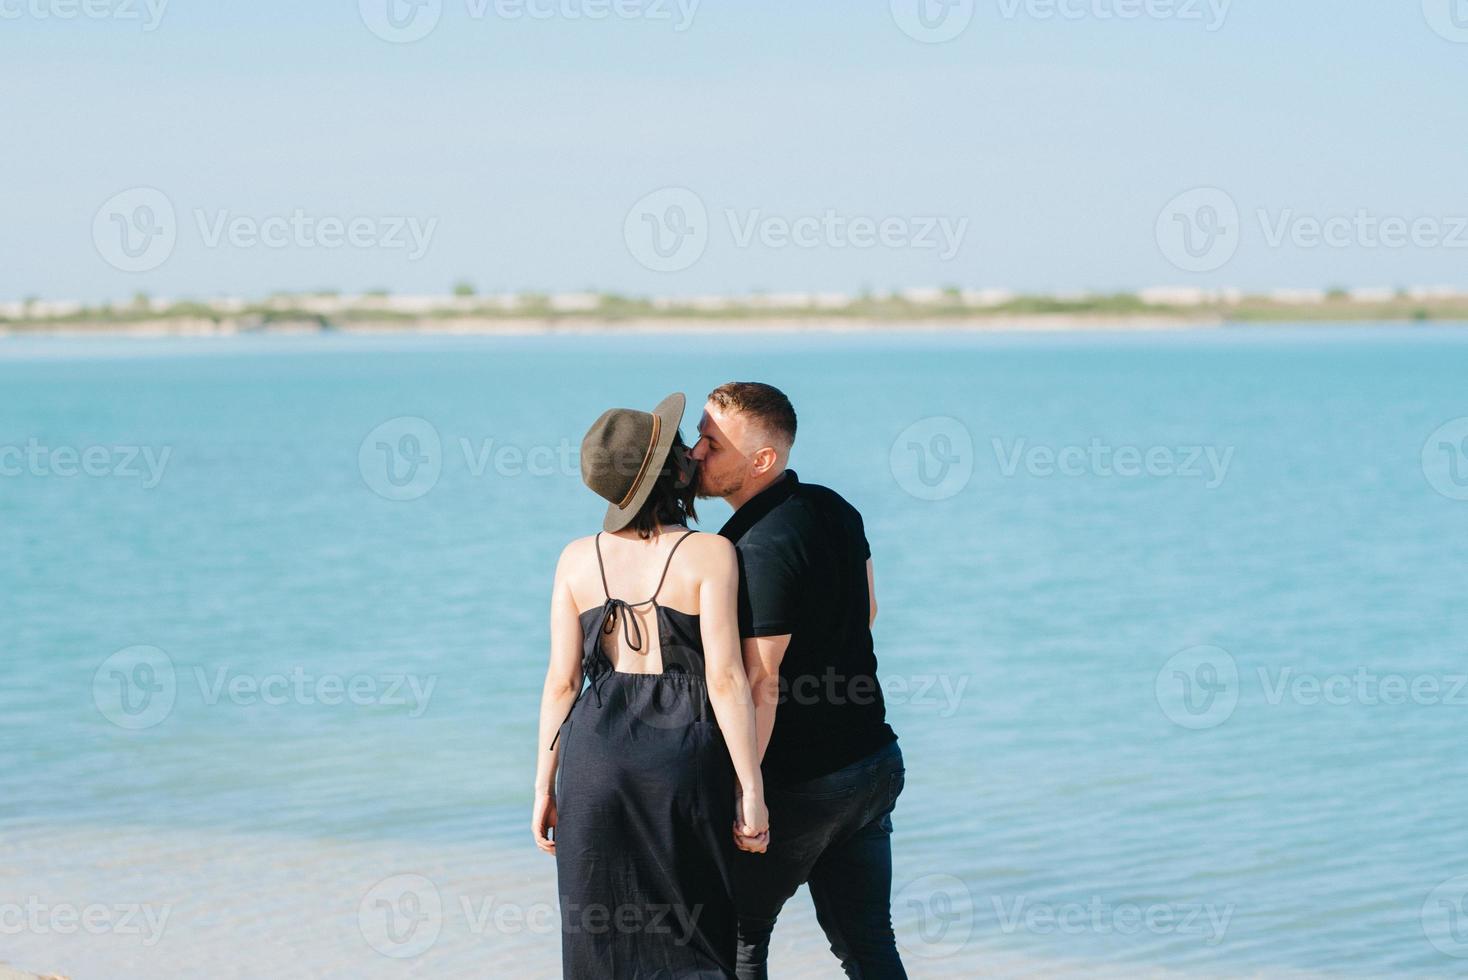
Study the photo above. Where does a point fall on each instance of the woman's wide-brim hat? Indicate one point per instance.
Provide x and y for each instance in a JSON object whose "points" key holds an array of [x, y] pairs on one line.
{"points": [[624, 452]]}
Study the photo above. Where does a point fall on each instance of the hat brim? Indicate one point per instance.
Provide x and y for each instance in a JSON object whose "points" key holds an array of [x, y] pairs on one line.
{"points": [[670, 414]]}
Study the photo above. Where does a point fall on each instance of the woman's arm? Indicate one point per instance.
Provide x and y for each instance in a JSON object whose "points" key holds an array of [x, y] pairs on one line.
{"points": [[728, 685], [562, 682]]}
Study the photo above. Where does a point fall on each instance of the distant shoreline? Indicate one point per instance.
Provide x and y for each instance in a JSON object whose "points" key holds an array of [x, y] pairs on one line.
{"points": [[538, 326]]}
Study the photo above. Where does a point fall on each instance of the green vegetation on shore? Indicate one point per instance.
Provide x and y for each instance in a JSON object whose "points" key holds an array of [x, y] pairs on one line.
{"points": [[328, 310]]}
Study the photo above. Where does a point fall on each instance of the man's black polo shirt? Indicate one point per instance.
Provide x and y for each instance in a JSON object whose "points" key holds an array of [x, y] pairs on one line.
{"points": [[802, 571]]}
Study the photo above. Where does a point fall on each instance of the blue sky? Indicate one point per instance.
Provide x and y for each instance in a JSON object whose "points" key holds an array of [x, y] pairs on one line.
{"points": [[521, 143]]}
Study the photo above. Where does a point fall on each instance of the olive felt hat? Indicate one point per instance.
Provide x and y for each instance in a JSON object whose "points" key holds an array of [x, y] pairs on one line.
{"points": [[624, 451]]}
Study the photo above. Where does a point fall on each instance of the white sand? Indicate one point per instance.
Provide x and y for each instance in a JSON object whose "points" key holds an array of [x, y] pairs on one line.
{"points": [[234, 906]]}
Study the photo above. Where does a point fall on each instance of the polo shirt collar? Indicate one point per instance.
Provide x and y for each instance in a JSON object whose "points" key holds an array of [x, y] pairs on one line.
{"points": [[759, 505]]}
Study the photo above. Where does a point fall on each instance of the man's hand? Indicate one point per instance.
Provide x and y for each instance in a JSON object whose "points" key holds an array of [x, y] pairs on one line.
{"points": [[543, 821], [751, 824]]}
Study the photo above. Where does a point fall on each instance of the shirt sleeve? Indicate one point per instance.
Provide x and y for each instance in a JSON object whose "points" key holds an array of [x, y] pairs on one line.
{"points": [[768, 580]]}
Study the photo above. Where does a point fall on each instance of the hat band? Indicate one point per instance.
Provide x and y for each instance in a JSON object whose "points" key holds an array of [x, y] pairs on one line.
{"points": [[657, 424]]}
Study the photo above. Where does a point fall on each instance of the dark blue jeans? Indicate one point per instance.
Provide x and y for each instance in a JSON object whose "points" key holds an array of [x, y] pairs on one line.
{"points": [[835, 833]]}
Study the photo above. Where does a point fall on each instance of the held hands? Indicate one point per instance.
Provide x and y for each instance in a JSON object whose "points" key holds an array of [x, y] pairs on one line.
{"points": [[543, 821], [751, 823]]}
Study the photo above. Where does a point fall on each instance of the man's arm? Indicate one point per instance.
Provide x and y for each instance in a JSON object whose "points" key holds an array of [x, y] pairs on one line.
{"points": [[762, 657], [871, 594]]}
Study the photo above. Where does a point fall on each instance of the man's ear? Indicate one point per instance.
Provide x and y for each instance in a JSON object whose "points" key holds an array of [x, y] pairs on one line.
{"points": [[765, 459]]}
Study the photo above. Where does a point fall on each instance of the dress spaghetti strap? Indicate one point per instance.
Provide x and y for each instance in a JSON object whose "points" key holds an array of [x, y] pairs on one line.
{"points": [[668, 565], [600, 567]]}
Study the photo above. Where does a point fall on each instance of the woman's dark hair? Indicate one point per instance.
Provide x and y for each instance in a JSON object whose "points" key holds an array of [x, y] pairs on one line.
{"points": [[671, 500]]}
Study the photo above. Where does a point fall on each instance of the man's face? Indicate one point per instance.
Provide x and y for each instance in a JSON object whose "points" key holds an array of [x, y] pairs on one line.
{"points": [[723, 465]]}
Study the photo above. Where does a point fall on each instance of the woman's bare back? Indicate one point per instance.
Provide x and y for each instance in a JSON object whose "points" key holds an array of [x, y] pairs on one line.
{"points": [[633, 567]]}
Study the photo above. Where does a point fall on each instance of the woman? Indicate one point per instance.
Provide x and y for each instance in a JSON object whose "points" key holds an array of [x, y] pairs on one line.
{"points": [[646, 819]]}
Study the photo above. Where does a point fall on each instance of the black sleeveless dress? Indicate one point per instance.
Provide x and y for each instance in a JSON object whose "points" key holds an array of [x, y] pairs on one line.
{"points": [[645, 803]]}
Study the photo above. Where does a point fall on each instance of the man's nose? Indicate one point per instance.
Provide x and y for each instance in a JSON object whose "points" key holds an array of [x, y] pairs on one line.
{"points": [[698, 451]]}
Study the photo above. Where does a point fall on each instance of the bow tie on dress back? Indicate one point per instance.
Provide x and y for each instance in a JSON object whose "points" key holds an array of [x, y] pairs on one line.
{"points": [[620, 611]]}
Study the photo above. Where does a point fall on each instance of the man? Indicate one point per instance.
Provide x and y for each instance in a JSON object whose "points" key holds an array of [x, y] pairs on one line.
{"points": [[831, 764]]}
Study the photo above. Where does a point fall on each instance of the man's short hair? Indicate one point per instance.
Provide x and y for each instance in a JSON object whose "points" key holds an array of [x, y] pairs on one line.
{"points": [[765, 404]]}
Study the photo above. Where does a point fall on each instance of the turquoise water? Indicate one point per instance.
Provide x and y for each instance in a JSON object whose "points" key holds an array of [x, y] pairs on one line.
{"points": [[1108, 686]]}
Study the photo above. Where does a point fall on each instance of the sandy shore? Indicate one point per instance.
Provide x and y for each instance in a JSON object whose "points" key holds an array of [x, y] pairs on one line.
{"points": [[535, 326], [11, 973]]}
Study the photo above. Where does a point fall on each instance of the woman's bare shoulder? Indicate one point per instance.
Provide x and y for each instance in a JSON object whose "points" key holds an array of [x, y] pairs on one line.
{"points": [[574, 553], [710, 551]]}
